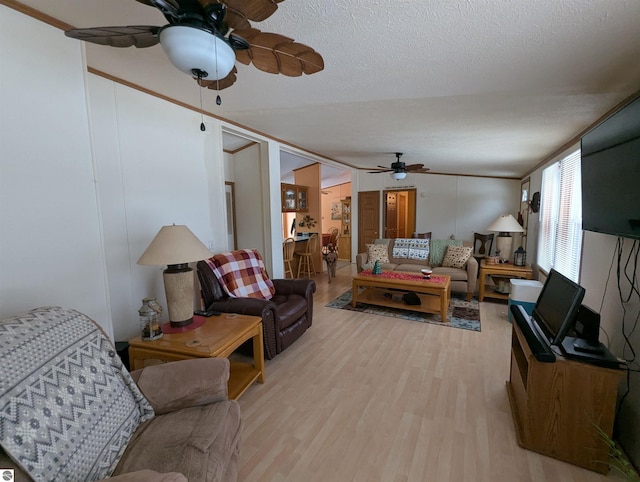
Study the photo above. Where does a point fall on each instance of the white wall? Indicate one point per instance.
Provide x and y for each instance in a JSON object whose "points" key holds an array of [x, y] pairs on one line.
{"points": [[452, 205], [50, 239], [605, 294], [155, 167], [255, 172], [249, 198]]}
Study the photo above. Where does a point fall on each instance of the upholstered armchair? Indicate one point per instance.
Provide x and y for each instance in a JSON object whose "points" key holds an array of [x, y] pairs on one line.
{"points": [[71, 410], [286, 315]]}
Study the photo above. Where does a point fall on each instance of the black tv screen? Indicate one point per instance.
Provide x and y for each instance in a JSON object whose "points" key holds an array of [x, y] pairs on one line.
{"points": [[557, 306], [611, 174]]}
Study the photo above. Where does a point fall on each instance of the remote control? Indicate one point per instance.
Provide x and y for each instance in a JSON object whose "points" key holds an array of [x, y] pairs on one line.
{"points": [[206, 313]]}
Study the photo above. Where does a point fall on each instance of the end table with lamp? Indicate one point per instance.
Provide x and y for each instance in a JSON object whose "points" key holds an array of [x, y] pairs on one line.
{"points": [[176, 247], [505, 225], [214, 336]]}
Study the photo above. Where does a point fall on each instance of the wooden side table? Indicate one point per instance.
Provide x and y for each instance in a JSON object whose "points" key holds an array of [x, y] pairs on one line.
{"points": [[219, 336], [505, 270], [559, 407]]}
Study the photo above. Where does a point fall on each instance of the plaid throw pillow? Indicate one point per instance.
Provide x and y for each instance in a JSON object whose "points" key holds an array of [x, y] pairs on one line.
{"points": [[242, 274]]}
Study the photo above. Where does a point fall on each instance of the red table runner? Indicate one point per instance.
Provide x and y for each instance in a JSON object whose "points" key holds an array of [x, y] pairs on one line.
{"points": [[404, 276]]}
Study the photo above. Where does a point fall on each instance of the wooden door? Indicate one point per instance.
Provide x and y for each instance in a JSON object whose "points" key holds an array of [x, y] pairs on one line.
{"points": [[399, 219], [402, 216], [390, 229], [368, 218]]}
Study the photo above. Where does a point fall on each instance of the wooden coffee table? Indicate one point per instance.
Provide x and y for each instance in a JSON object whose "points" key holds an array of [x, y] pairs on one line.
{"points": [[434, 294], [218, 337]]}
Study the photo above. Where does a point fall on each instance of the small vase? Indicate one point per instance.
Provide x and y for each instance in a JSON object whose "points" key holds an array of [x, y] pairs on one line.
{"points": [[377, 269]]}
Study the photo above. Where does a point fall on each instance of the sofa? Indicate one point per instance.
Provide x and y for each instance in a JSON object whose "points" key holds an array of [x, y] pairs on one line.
{"points": [[285, 305], [413, 255], [69, 409]]}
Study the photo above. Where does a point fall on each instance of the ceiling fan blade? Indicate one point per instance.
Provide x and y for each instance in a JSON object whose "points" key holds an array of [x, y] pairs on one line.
{"points": [[236, 21], [422, 170], [228, 81], [277, 54], [411, 167], [380, 171], [140, 36], [254, 10]]}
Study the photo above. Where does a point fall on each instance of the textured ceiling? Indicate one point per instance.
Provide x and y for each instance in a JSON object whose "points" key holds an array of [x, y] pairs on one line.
{"points": [[481, 87]]}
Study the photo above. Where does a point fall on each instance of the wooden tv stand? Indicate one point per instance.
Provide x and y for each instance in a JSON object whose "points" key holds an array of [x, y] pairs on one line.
{"points": [[557, 406]]}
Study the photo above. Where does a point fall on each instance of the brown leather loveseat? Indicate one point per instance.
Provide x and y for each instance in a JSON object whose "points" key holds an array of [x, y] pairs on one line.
{"points": [[285, 317]]}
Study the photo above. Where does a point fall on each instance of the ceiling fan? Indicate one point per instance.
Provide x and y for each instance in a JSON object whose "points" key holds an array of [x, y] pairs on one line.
{"points": [[204, 38], [399, 169]]}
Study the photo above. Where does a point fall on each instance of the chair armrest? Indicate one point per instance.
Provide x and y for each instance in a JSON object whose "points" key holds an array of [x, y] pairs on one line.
{"points": [[187, 383], [147, 475], [243, 306], [304, 287], [361, 260], [472, 274]]}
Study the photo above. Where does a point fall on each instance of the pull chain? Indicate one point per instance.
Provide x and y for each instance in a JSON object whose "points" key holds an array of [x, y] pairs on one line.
{"points": [[202, 126], [218, 99]]}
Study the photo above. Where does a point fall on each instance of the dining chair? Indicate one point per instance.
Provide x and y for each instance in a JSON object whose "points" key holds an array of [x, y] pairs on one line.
{"points": [[333, 240], [305, 263], [288, 249], [486, 240]]}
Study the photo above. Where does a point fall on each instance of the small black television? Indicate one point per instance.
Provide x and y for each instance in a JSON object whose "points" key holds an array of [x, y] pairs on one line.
{"points": [[556, 308], [610, 155]]}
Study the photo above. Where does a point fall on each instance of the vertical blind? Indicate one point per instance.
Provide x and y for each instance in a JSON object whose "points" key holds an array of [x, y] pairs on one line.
{"points": [[560, 240]]}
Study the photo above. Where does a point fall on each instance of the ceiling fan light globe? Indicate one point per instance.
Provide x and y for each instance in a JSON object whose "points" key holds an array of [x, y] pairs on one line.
{"points": [[398, 175], [191, 49]]}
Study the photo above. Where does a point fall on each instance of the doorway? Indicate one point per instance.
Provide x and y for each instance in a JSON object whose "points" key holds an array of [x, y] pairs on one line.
{"points": [[399, 213], [230, 198]]}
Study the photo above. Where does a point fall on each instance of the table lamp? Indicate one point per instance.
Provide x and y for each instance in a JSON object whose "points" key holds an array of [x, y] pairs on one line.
{"points": [[176, 247], [505, 225]]}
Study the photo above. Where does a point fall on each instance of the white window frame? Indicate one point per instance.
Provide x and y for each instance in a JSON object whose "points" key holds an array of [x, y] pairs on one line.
{"points": [[560, 234]]}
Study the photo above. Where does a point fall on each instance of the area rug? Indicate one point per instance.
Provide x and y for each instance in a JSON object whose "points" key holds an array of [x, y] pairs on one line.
{"points": [[461, 314]]}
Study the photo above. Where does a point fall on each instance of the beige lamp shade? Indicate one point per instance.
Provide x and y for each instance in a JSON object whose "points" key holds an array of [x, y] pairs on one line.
{"points": [[174, 245], [506, 223]]}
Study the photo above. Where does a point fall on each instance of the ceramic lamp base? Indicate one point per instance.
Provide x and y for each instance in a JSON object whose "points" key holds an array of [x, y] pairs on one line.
{"points": [[178, 287], [504, 245]]}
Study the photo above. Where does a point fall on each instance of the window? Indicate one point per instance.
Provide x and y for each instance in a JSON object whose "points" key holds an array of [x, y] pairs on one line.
{"points": [[560, 241]]}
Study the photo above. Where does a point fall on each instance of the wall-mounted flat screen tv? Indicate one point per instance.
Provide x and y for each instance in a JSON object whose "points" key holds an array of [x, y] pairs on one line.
{"points": [[611, 174]]}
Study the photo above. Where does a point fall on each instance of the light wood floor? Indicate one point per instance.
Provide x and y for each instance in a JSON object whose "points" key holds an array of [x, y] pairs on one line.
{"points": [[369, 398]]}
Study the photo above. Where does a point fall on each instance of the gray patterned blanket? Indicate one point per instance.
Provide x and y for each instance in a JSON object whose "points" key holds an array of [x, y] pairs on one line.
{"points": [[68, 407]]}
